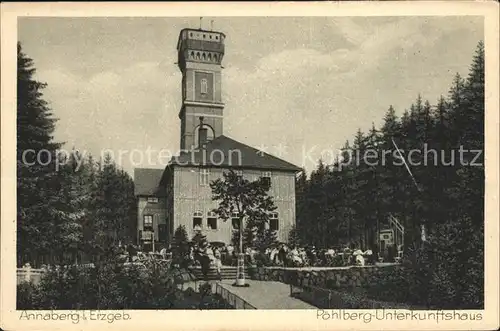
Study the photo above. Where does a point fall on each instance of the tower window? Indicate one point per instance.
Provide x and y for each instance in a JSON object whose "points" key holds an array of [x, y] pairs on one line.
{"points": [[204, 176], [212, 220], [197, 220], [274, 222], [204, 86]]}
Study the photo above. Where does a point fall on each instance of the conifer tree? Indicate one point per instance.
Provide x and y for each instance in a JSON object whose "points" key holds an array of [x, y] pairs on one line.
{"points": [[36, 152]]}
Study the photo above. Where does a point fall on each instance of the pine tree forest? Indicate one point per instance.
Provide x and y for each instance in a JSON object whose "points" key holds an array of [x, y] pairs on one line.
{"points": [[348, 202], [77, 206]]}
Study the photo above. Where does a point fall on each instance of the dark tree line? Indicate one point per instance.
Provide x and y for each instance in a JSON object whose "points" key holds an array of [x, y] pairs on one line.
{"points": [[342, 205], [339, 204], [69, 206]]}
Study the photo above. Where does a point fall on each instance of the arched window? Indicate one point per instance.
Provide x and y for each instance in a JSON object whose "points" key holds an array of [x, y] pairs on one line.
{"points": [[197, 55], [203, 56], [209, 57], [212, 220], [210, 133], [204, 85]]}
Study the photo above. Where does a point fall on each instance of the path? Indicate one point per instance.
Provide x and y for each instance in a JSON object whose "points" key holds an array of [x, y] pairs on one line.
{"points": [[266, 295]]}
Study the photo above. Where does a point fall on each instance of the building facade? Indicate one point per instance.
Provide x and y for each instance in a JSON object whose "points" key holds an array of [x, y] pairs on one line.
{"points": [[180, 194]]}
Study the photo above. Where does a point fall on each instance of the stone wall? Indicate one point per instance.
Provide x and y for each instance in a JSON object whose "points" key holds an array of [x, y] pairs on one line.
{"points": [[330, 278]]}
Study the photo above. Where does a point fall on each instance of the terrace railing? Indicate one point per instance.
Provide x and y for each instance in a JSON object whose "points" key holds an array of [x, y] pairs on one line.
{"points": [[330, 299], [232, 299]]}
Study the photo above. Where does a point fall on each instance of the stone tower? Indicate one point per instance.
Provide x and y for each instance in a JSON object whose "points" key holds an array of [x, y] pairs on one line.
{"points": [[200, 55]]}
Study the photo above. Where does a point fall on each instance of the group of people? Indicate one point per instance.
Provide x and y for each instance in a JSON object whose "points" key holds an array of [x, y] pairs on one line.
{"points": [[215, 255], [295, 256], [282, 255], [207, 256]]}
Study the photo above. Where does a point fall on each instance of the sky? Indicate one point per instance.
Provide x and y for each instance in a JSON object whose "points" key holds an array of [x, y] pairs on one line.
{"points": [[297, 88]]}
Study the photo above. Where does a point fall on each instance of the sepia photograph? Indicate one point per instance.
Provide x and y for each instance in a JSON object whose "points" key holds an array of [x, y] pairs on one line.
{"points": [[326, 163]]}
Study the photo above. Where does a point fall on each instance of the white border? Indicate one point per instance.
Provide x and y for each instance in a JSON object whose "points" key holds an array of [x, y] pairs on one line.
{"points": [[242, 320]]}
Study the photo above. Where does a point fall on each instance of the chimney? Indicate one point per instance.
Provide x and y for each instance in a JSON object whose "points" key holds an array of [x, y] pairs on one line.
{"points": [[202, 134]]}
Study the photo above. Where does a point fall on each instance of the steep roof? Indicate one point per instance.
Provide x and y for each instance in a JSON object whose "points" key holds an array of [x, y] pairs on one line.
{"points": [[147, 181], [227, 152]]}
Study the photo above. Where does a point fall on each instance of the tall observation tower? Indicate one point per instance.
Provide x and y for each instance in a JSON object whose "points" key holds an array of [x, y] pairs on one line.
{"points": [[200, 54]]}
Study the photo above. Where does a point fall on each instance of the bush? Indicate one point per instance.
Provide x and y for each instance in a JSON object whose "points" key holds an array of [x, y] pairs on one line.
{"points": [[262, 260], [357, 300], [107, 286], [205, 289], [181, 248], [26, 295], [446, 273], [336, 261]]}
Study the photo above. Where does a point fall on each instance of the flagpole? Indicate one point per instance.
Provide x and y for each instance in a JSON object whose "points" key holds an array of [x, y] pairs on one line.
{"points": [[414, 181], [406, 165]]}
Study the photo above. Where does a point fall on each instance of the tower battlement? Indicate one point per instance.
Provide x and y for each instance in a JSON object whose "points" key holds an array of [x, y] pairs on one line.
{"points": [[200, 46]]}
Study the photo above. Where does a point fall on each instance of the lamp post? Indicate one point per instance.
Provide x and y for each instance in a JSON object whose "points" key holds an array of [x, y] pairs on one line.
{"points": [[240, 271]]}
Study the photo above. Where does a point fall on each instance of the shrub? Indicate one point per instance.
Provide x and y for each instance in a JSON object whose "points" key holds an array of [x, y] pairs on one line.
{"points": [[205, 289], [181, 248], [445, 273], [107, 286], [262, 260], [26, 296], [336, 261]]}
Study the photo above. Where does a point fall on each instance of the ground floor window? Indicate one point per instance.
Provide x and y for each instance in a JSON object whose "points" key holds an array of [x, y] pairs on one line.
{"points": [[212, 220], [148, 221], [197, 220], [266, 178], [274, 222], [235, 221], [162, 232]]}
